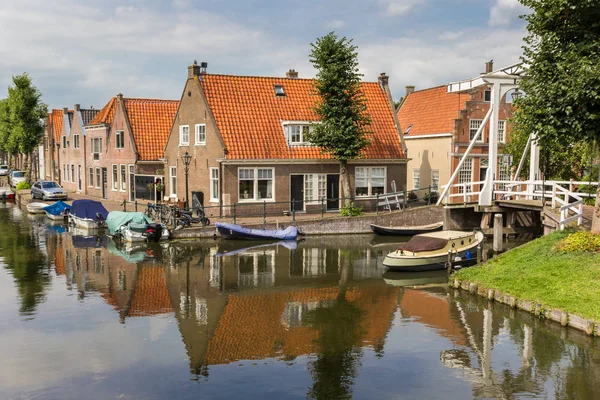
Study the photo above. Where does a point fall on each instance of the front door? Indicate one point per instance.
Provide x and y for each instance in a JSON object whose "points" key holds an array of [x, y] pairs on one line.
{"points": [[333, 192], [131, 183], [104, 183], [297, 192], [79, 177]]}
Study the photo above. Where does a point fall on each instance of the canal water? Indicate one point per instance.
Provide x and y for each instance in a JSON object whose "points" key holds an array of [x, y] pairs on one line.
{"points": [[84, 318]]}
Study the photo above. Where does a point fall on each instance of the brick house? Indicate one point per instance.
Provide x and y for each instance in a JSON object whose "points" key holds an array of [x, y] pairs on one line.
{"points": [[245, 138], [56, 126], [438, 127], [124, 148]]}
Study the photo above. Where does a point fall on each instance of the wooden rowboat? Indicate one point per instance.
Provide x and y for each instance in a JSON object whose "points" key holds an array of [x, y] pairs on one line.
{"points": [[36, 208], [406, 230]]}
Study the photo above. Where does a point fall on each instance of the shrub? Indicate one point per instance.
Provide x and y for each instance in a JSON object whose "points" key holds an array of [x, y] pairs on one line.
{"points": [[412, 196], [579, 241], [23, 185], [431, 197], [588, 189], [350, 210]]}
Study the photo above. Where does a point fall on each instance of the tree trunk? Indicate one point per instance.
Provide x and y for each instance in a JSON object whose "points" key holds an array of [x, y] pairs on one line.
{"points": [[345, 179], [27, 167], [596, 215]]}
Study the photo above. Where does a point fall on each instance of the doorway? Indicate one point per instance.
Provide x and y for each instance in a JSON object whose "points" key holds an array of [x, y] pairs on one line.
{"points": [[297, 192], [79, 177], [104, 183], [333, 192], [131, 183]]}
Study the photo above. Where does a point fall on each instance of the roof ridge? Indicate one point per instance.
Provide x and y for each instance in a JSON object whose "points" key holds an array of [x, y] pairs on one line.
{"points": [[147, 99], [426, 89], [272, 77]]}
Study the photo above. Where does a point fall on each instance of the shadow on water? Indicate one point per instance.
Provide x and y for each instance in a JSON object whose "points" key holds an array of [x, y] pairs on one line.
{"points": [[324, 313]]}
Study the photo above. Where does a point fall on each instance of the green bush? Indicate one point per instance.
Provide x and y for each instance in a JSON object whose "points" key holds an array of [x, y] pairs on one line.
{"points": [[431, 197], [588, 189], [23, 185], [579, 241], [350, 210], [412, 196]]}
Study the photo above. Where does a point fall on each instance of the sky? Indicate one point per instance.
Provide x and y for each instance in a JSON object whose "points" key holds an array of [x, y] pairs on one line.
{"points": [[85, 52]]}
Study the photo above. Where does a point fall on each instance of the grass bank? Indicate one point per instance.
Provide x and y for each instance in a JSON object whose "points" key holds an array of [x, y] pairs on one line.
{"points": [[568, 281]]}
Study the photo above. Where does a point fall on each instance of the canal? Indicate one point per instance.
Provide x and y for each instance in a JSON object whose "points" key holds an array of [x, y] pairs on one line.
{"points": [[83, 318]]}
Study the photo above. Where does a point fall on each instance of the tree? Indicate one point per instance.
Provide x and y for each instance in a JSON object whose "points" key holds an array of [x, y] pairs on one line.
{"points": [[343, 128], [562, 84], [8, 144], [26, 114]]}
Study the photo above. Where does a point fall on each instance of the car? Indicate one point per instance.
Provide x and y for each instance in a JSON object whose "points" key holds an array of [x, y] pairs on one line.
{"points": [[48, 190], [16, 177], [4, 170]]}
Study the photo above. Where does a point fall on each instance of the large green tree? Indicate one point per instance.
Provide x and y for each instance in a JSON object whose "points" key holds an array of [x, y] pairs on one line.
{"points": [[343, 128], [562, 51], [8, 143]]}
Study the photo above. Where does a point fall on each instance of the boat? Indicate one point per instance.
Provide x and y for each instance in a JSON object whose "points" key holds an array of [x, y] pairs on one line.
{"points": [[232, 231], [36, 208], [88, 214], [57, 211], [429, 251], [406, 230], [416, 279], [135, 227], [6, 194]]}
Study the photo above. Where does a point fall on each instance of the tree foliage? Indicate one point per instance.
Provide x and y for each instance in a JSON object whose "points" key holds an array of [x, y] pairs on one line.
{"points": [[343, 128]]}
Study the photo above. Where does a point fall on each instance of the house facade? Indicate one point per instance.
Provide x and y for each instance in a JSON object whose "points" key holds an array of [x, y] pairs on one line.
{"points": [[245, 140], [438, 128]]}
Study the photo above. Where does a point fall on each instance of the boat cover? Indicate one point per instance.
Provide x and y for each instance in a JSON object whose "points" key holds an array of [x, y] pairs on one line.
{"points": [[87, 209], [289, 233], [118, 219], [83, 242], [423, 243], [57, 208]]}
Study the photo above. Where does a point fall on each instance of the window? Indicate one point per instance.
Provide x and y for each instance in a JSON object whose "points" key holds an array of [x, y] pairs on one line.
{"points": [[308, 187], [64, 142], [91, 181], [214, 184], [297, 134], [315, 187], [416, 179], [279, 90], [487, 95], [501, 127], [173, 183], [75, 141], [505, 162], [255, 183], [98, 178], [322, 186], [369, 181], [73, 173], [120, 139], [96, 147], [200, 134], [64, 172], [435, 180], [123, 178], [474, 125], [115, 183], [466, 173], [184, 135]]}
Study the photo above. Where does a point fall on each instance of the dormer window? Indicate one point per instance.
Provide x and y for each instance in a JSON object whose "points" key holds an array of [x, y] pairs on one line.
{"points": [[279, 90], [297, 133]]}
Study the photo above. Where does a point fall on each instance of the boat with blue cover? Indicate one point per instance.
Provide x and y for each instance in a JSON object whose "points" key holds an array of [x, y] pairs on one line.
{"points": [[57, 211], [88, 214], [232, 231]]}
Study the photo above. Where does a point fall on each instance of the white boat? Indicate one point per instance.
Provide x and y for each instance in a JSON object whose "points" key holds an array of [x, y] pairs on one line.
{"points": [[57, 211], [135, 227], [429, 251], [36, 208], [88, 214], [133, 233]]}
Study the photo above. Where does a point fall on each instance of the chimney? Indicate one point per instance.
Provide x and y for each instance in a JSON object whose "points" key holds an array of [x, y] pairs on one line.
{"points": [[203, 66], [91, 107], [383, 79], [65, 110], [292, 74], [489, 66], [77, 107], [193, 70], [409, 90], [120, 97]]}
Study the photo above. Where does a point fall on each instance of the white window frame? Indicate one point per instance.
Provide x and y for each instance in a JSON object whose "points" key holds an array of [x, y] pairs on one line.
{"points": [[303, 126], [76, 141], [96, 142], [435, 186], [181, 130], [98, 173], [123, 177], [501, 131], [255, 179], [369, 177], [72, 173], [315, 184], [416, 178], [214, 179], [465, 174], [200, 137], [473, 130], [91, 176], [117, 135], [173, 181], [115, 174]]}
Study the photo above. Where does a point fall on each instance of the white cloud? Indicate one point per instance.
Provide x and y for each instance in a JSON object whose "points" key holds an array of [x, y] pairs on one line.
{"points": [[336, 24], [399, 7], [450, 35], [505, 11]]}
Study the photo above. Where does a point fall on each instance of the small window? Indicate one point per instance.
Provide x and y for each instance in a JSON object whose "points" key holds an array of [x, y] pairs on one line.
{"points": [[200, 134], [98, 178], [91, 181], [474, 125], [120, 139], [279, 90], [123, 178], [184, 135], [214, 184], [64, 142], [487, 95], [75, 141]]}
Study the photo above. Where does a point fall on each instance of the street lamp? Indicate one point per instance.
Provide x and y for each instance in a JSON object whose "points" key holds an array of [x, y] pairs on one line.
{"points": [[186, 164], [517, 94]]}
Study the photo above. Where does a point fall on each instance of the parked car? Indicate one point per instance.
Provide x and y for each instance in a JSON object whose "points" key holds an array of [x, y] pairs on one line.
{"points": [[16, 177], [48, 190], [4, 170]]}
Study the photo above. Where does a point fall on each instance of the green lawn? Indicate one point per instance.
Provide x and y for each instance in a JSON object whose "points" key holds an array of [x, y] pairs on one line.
{"points": [[534, 272]]}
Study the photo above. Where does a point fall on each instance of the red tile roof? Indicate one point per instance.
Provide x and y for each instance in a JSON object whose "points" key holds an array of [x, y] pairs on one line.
{"points": [[150, 121], [151, 296], [431, 111], [249, 116], [56, 122]]}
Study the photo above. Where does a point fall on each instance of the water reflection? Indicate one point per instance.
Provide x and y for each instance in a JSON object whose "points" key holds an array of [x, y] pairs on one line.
{"points": [[324, 313]]}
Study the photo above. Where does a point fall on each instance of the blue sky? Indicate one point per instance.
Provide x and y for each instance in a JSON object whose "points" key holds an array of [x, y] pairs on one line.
{"points": [[81, 51]]}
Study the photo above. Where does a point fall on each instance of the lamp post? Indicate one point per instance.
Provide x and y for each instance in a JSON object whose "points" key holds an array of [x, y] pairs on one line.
{"points": [[186, 164]]}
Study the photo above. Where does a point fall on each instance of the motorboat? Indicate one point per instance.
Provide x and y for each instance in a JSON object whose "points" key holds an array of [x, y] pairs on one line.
{"points": [[135, 227], [406, 230], [57, 211], [232, 231], [36, 208], [430, 251], [6, 193], [88, 214]]}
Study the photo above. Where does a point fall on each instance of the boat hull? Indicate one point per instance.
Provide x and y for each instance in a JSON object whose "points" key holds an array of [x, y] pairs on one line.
{"points": [[54, 217], [85, 223], [230, 231], [35, 208], [136, 237], [405, 230]]}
